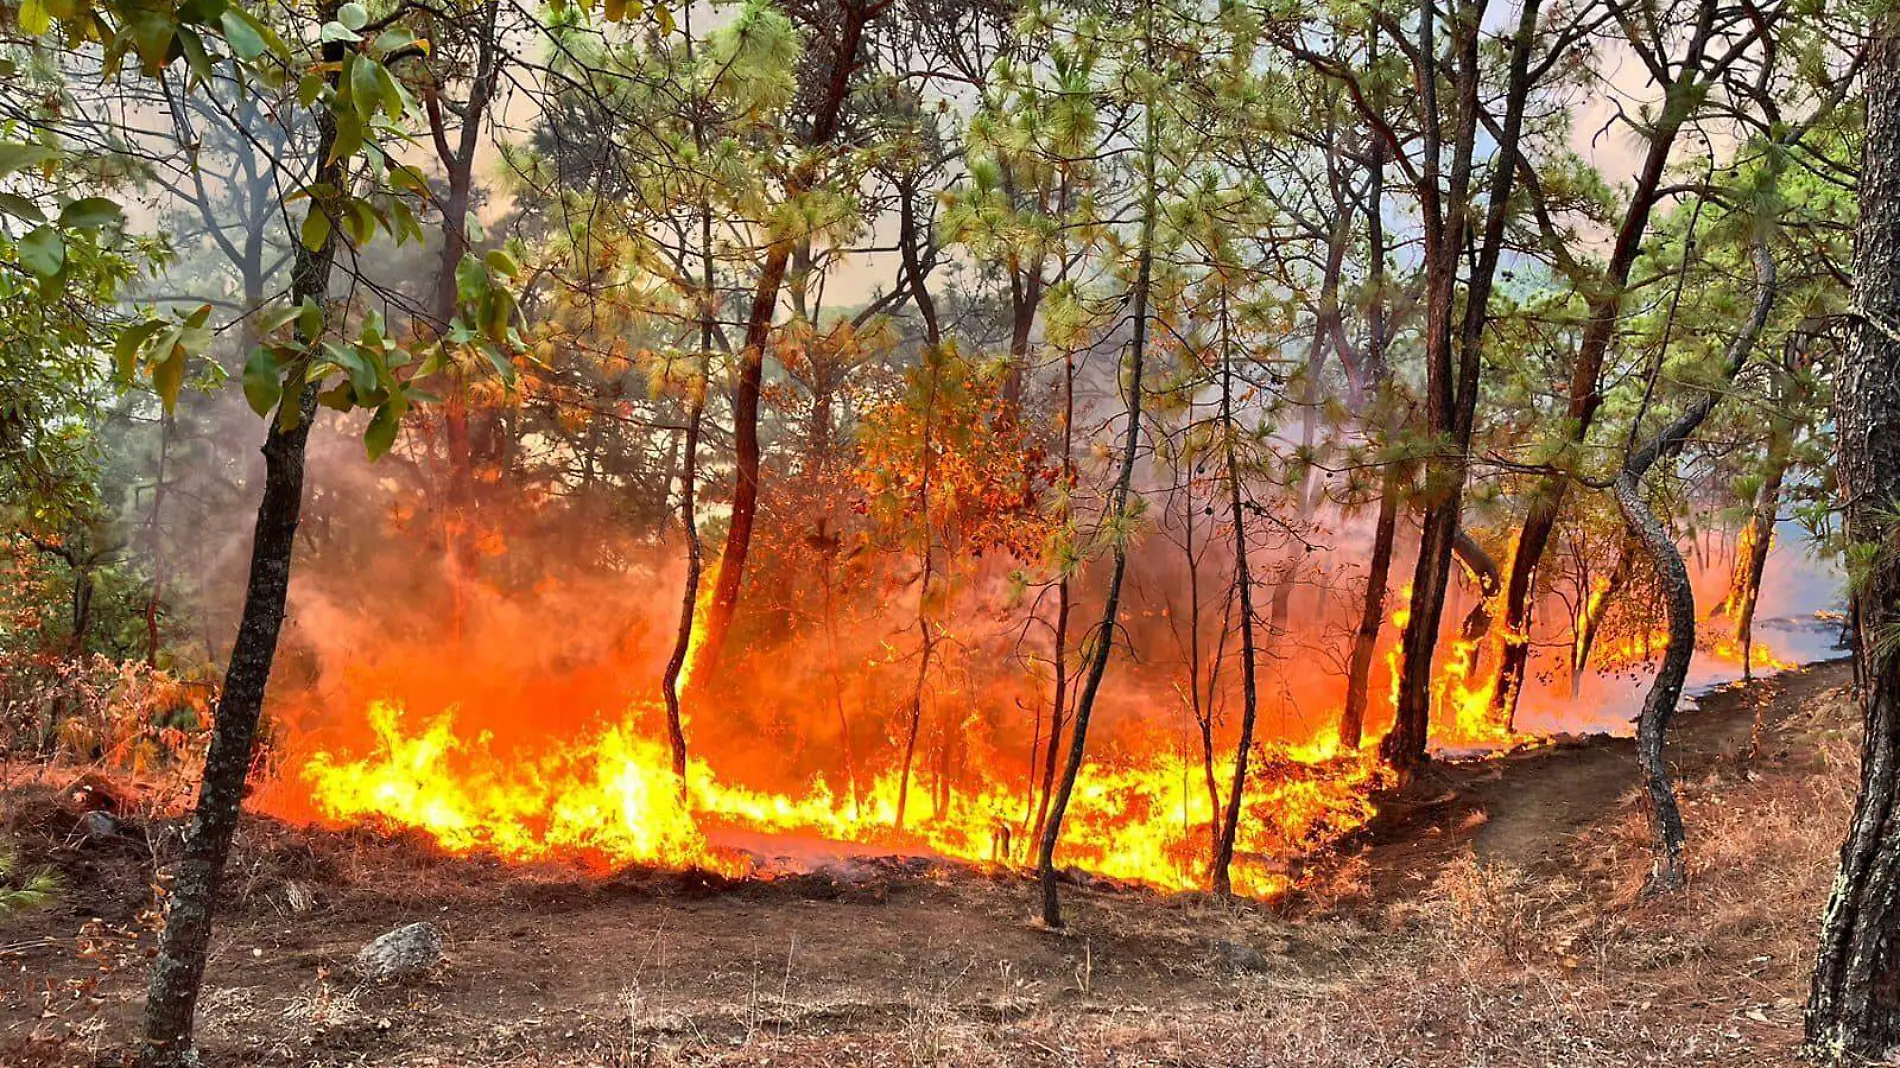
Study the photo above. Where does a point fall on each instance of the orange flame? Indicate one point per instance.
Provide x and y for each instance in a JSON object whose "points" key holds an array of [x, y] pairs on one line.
{"points": [[611, 799]]}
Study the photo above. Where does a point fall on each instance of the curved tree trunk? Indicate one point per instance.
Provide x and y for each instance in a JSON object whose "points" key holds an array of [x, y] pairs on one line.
{"points": [[1659, 705]]}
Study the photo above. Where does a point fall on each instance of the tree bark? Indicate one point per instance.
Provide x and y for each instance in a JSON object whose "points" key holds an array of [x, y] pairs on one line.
{"points": [[1116, 520], [1452, 391], [1659, 705], [178, 970], [1222, 882], [749, 388], [1853, 1013], [1596, 605]]}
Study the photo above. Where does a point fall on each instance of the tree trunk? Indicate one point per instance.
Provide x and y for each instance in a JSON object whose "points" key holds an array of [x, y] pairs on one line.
{"points": [[1452, 391], [1352, 721], [1595, 606], [178, 970], [1116, 522], [1243, 587], [1586, 395], [747, 391], [1853, 1010], [1659, 705], [1751, 556]]}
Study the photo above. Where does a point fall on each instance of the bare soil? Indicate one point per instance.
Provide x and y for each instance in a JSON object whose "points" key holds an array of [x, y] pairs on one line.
{"points": [[1491, 916]]}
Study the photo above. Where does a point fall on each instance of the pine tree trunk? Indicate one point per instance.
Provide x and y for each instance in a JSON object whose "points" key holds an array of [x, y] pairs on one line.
{"points": [[1659, 705], [1116, 520], [1854, 1006], [1352, 721], [1221, 881], [748, 391]]}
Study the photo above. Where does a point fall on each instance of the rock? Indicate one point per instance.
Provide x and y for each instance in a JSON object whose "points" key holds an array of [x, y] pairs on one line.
{"points": [[97, 826], [1241, 956], [403, 953]]}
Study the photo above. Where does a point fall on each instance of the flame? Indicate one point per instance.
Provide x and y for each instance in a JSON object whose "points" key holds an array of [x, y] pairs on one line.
{"points": [[603, 794], [611, 800]]}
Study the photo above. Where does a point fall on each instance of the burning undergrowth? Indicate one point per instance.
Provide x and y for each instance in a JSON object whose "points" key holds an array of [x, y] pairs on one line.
{"points": [[514, 710]]}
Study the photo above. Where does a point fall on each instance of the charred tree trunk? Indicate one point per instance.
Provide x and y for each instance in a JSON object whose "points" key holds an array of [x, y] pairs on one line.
{"points": [[1853, 1013], [178, 969], [1659, 705], [1595, 606], [748, 390], [1680, 100], [1116, 524], [1751, 551], [1243, 588], [1352, 721]]}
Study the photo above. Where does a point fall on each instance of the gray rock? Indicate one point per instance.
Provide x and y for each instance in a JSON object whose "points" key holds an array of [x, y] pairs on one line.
{"points": [[403, 953], [1242, 957], [97, 825]]}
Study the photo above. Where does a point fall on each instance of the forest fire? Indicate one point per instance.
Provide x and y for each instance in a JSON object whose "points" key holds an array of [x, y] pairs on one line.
{"points": [[610, 799], [591, 781]]}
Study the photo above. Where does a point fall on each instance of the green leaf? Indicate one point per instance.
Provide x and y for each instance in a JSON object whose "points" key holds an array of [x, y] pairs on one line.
{"points": [[152, 34], [502, 263], [471, 280], [340, 397], [316, 228], [291, 413], [380, 435], [91, 213], [43, 252], [336, 31], [249, 37], [168, 377], [391, 91], [197, 60], [125, 351], [309, 88], [242, 33], [395, 39], [21, 208], [366, 87], [273, 320], [353, 15], [34, 18], [201, 12], [310, 319], [262, 388], [18, 157]]}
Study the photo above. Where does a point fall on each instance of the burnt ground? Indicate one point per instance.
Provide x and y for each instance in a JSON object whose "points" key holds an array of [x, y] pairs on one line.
{"points": [[1490, 916]]}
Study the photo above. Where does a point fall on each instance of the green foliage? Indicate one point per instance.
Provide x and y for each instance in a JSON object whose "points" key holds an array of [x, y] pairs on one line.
{"points": [[21, 891]]}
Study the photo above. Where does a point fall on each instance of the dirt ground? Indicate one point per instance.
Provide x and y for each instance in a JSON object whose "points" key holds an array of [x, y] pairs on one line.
{"points": [[1492, 916]]}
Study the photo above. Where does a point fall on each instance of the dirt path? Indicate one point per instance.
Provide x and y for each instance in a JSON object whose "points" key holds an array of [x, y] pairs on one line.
{"points": [[1523, 809]]}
